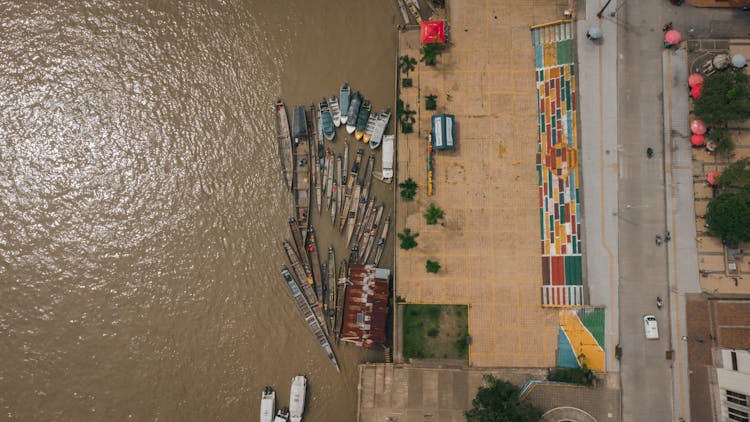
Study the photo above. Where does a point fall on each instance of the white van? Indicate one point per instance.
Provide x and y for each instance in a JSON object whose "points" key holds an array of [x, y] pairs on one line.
{"points": [[651, 327]]}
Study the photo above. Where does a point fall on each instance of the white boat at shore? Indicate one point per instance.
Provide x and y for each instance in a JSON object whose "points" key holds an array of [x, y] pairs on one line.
{"points": [[386, 173], [333, 106], [381, 123], [344, 94], [297, 398], [267, 405]]}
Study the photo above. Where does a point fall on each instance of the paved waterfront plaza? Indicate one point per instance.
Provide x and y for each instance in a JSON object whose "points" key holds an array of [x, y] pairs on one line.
{"points": [[489, 245]]}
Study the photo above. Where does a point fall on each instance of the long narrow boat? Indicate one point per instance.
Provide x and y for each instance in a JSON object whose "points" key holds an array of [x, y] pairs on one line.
{"points": [[370, 128], [413, 6], [326, 120], [344, 93], [312, 251], [320, 147], [333, 105], [317, 183], [345, 169], [296, 237], [340, 296], [345, 210], [364, 221], [329, 179], [381, 242], [371, 235], [284, 140], [334, 206], [331, 283], [352, 216], [367, 181], [303, 276], [355, 169], [340, 183], [404, 13], [362, 117], [380, 126], [356, 103], [309, 316], [302, 172]]}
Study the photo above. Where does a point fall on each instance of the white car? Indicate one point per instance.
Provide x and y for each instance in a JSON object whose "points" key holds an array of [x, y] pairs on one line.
{"points": [[651, 327]]}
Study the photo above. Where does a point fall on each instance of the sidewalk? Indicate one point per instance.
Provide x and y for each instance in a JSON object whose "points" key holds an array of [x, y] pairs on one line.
{"points": [[682, 251], [597, 84]]}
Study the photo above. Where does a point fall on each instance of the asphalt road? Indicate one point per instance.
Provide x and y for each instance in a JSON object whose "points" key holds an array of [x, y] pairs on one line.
{"points": [[646, 374]]}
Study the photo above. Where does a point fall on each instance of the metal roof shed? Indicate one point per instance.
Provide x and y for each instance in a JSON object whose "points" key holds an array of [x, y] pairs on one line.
{"points": [[444, 132]]}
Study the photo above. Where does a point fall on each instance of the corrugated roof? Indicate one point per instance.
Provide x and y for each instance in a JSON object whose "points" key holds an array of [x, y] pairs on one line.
{"points": [[366, 305]]}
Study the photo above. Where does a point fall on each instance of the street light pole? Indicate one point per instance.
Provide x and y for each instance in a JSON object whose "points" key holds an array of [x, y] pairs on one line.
{"points": [[599, 15]]}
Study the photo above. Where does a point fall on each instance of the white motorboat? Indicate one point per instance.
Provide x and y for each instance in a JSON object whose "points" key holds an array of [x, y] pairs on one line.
{"points": [[297, 398], [333, 106], [282, 415], [386, 173], [267, 404]]}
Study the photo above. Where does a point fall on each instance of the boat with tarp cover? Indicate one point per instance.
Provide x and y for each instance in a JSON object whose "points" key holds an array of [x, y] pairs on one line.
{"points": [[307, 314]]}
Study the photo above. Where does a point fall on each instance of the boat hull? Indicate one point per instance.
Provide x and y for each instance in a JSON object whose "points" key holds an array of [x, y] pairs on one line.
{"points": [[350, 129], [267, 405]]}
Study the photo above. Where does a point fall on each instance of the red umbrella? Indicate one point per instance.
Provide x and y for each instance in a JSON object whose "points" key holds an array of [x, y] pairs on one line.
{"points": [[698, 127], [695, 79], [672, 37], [695, 91], [697, 140], [712, 177]]}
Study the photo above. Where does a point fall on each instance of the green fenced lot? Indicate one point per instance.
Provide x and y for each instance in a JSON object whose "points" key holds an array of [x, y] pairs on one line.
{"points": [[435, 331]]}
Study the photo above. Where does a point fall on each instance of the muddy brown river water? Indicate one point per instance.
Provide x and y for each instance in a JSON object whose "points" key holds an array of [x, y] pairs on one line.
{"points": [[142, 204]]}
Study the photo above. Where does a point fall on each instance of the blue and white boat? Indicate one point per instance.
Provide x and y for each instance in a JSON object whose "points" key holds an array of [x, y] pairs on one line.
{"points": [[344, 94], [326, 120]]}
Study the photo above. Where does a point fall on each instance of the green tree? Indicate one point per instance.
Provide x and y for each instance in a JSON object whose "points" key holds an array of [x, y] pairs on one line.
{"points": [[406, 64], [408, 240], [430, 102], [430, 53], [408, 189], [736, 176], [725, 97], [728, 216], [432, 266], [497, 401], [723, 140], [433, 214]]}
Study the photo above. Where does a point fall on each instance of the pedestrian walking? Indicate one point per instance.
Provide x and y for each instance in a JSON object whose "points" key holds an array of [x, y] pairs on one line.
{"points": [[667, 26]]}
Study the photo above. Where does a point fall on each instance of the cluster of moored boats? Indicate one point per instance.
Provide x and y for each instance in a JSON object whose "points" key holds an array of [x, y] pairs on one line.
{"points": [[355, 113], [296, 409], [311, 170]]}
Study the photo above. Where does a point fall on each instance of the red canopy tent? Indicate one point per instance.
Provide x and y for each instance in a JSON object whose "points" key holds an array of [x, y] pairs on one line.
{"points": [[697, 126], [432, 32], [695, 91], [695, 79], [697, 140]]}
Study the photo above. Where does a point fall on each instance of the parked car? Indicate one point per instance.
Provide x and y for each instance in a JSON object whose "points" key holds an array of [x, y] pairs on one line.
{"points": [[651, 327]]}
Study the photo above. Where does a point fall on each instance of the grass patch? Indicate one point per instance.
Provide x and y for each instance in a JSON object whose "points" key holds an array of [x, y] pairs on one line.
{"points": [[435, 331]]}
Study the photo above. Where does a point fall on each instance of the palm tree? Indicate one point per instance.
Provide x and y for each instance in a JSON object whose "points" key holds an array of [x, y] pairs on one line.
{"points": [[433, 214], [406, 64], [430, 53], [408, 239], [408, 189]]}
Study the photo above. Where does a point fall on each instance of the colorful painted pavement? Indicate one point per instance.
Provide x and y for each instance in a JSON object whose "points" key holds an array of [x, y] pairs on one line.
{"points": [[557, 164], [581, 338]]}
